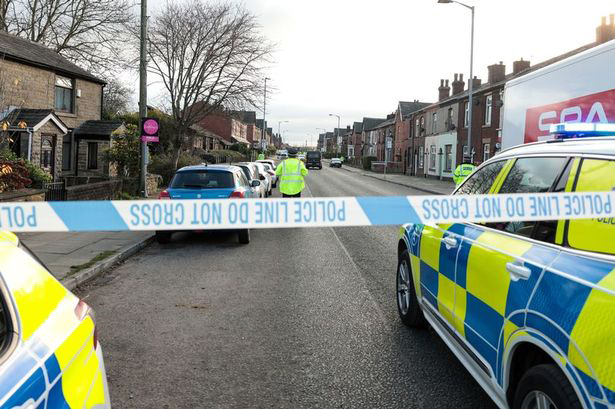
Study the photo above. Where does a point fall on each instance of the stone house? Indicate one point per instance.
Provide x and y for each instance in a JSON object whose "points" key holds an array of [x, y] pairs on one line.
{"points": [[369, 136], [52, 110]]}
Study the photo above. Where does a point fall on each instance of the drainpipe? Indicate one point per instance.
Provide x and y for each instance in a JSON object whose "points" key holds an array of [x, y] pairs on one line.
{"points": [[29, 130]]}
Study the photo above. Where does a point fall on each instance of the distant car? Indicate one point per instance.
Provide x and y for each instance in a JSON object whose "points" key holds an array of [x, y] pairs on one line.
{"points": [[313, 160], [301, 156], [251, 171], [50, 356], [210, 182], [336, 163], [267, 179], [271, 162]]}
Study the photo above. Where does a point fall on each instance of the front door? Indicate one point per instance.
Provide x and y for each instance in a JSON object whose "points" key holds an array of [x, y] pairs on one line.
{"points": [[48, 145]]}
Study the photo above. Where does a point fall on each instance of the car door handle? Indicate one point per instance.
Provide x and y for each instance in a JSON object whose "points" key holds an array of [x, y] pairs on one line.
{"points": [[518, 271], [450, 242]]}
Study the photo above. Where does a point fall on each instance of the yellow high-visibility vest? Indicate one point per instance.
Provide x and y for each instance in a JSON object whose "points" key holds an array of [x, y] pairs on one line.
{"points": [[462, 172], [291, 172]]}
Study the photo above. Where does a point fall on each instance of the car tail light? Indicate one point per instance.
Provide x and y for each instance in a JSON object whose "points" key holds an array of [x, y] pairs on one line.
{"points": [[237, 194], [82, 310], [164, 195]]}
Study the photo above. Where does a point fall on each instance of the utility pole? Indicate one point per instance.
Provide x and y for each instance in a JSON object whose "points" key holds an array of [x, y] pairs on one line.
{"points": [[264, 130], [143, 95]]}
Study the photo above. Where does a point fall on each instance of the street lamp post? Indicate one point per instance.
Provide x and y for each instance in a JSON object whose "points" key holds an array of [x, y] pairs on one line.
{"points": [[279, 123], [264, 117], [471, 84], [337, 131]]}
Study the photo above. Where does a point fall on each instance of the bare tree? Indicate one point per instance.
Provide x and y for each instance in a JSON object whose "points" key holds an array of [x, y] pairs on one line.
{"points": [[87, 32], [207, 55], [117, 98]]}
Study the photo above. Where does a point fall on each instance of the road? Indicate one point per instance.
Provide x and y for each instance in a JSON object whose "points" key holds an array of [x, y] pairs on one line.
{"points": [[299, 318]]}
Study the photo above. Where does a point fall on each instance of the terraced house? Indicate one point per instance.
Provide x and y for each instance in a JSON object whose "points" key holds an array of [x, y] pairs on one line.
{"points": [[51, 110]]}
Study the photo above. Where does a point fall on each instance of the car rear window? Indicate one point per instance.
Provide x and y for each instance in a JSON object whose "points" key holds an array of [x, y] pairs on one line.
{"points": [[202, 179], [313, 155]]}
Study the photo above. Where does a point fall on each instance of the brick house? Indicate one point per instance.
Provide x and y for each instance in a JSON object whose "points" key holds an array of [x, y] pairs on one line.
{"points": [[357, 143], [383, 130], [369, 136], [403, 128], [228, 125], [52, 110]]}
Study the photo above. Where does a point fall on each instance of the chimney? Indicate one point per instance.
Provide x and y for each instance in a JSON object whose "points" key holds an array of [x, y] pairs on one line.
{"points": [[458, 84], [497, 73], [476, 82], [606, 32], [520, 66], [444, 91]]}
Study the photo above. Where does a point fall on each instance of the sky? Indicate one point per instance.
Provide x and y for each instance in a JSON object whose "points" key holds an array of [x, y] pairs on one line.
{"points": [[357, 58]]}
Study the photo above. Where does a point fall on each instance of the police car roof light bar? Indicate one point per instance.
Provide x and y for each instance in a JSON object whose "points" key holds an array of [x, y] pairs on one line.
{"points": [[581, 130]]}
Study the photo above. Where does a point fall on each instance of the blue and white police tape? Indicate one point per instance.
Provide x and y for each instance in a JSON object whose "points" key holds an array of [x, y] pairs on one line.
{"points": [[206, 214]]}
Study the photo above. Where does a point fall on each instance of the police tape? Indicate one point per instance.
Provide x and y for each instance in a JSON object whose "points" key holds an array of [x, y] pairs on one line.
{"points": [[205, 214]]}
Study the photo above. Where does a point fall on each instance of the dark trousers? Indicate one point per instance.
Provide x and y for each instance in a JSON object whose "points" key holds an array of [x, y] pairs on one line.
{"points": [[297, 195]]}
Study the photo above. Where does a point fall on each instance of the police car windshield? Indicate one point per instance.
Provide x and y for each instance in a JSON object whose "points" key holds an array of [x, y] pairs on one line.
{"points": [[202, 179]]}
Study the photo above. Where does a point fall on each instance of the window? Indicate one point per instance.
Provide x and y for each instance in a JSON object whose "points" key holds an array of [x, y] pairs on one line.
{"points": [[449, 120], [66, 152], [466, 117], [5, 325], [448, 164], [532, 175], [594, 234], [480, 181], [203, 179], [434, 122], [64, 94], [421, 157], [418, 128], [242, 180], [92, 155], [432, 157], [486, 151], [422, 126], [488, 109]]}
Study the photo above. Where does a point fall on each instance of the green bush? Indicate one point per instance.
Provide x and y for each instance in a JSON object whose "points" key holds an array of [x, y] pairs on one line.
{"points": [[367, 162], [37, 176], [163, 165]]}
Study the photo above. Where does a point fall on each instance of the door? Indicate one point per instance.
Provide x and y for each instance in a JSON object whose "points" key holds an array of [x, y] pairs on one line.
{"points": [[502, 262], [48, 146]]}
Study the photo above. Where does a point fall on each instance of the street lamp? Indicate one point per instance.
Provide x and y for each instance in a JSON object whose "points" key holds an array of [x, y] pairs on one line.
{"points": [[337, 131], [279, 123], [471, 85]]}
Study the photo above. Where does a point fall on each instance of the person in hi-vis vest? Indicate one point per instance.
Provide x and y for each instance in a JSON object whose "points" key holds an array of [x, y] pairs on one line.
{"points": [[290, 173]]}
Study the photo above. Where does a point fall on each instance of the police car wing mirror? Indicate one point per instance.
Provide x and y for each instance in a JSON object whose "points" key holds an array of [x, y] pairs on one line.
{"points": [[255, 183]]}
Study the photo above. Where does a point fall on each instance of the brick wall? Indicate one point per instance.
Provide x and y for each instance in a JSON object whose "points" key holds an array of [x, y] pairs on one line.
{"points": [[218, 124], [32, 87]]}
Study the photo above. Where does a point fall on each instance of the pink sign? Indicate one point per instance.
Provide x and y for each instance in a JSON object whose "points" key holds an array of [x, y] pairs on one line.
{"points": [[150, 126], [145, 138]]}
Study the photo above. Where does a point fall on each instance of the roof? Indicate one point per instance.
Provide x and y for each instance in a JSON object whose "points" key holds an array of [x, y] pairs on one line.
{"points": [[604, 145], [407, 108], [371, 123], [247, 117], [215, 167], [388, 122], [97, 128], [28, 52], [34, 118], [357, 127]]}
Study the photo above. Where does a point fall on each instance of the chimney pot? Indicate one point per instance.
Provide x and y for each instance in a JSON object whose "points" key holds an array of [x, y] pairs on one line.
{"points": [[497, 73], [603, 20], [460, 77], [446, 83], [612, 19]]}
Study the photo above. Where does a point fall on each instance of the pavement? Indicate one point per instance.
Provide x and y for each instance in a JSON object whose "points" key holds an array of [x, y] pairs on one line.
{"points": [[427, 185], [298, 318], [75, 257]]}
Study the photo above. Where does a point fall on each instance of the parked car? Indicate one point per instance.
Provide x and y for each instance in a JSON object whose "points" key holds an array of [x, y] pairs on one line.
{"points": [[301, 157], [251, 171], [210, 182], [313, 160], [49, 349], [268, 180], [271, 171], [527, 307], [335, 163], [271, 162]]}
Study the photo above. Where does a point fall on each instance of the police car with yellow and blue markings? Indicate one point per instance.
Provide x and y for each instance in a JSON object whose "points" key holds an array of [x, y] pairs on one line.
{"points": [[528, 307], [49, 354]]}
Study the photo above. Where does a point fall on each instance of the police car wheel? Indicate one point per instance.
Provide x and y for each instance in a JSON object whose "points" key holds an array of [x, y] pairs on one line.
{"points": [[244, 236], [407, 302], [545, 386], [163, 237]]}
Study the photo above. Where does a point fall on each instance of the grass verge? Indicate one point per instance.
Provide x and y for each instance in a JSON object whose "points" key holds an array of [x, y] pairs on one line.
{"points": [[99, 257]]}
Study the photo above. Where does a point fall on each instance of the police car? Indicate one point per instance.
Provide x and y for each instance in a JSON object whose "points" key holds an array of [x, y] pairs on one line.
{"points": [[527, 307], [49, 353]]}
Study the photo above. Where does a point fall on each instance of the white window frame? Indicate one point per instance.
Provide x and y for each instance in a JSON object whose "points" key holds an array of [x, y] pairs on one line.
{"points": [[434, 122], [432, 157], [486, 151], [421, 157], [466, 116], [488, 109], [448, 159]]}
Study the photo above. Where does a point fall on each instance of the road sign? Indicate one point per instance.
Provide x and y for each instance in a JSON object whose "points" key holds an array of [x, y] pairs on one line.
{"points": [[149, 129]]}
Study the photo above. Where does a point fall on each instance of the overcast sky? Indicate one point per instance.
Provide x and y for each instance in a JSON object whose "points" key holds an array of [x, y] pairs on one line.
{"points": [[358, 58]]}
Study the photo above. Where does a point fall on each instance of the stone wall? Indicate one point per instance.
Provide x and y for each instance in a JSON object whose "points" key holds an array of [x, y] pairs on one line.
{"points": [[32, 87], [82, 159], [108, 190], [23, 195]]}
